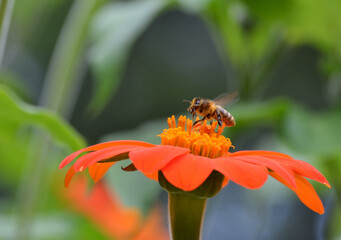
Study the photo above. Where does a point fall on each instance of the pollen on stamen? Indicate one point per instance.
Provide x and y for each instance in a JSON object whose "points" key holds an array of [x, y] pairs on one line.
{"points": [[197, 149], [169, 122], [201, 139], [203, 127], [173, 122], [181, 141], [205, 150], [213, 126], [214, 151], [182, 122], [189, 126]]}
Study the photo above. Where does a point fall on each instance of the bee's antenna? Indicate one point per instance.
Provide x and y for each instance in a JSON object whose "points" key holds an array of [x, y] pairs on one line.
{"points": [[186, 101]]}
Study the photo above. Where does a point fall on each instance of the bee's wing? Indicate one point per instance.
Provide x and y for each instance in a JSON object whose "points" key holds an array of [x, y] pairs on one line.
{"points": [[226, 98]]}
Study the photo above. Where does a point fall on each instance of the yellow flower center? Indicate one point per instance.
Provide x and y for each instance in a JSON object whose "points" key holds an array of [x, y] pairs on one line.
{"points": [[201, 139]]}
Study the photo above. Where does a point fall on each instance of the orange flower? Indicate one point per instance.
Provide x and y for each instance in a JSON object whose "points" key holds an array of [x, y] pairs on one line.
{"points": [[115, 220], [112, 218], [188, 155]]}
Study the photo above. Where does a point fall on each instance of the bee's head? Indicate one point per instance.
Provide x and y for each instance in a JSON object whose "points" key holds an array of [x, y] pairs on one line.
{"points": [[194, 104], [196, 101]]}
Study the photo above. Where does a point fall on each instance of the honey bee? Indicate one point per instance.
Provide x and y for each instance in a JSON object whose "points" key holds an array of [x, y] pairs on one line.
{"points": [[212, 109]]}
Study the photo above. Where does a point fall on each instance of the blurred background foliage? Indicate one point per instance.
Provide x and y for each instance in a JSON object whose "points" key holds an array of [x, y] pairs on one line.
{"points": [[79, 72]]}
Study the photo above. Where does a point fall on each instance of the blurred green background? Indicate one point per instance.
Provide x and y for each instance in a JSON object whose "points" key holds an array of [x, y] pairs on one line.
{"points": [[75, 73]]}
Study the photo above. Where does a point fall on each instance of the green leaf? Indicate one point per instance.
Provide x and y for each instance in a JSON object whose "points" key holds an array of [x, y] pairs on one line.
{"points": [[305, 21], [19, 112], [316, 22], [313, 133], [17, 85], [15, 117], [114, 30]]}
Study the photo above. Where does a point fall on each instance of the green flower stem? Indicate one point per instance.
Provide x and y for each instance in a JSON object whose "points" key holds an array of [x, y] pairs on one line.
{"points": [[186, 213]]}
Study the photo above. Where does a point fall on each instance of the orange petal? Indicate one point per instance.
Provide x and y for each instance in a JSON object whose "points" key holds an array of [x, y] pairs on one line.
{"points": [[302, 168], [284, 172], [258, 153], [104, 209], [150, 160], [69, 175], [304, 191], [188, 171], [93, 157], [98, 170], [248, 175], [154, 227], [100, 146], [153, 176]]}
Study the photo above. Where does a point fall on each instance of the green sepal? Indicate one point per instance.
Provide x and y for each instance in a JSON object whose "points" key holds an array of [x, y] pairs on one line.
{"points": [[116, 158], [210, 187]]}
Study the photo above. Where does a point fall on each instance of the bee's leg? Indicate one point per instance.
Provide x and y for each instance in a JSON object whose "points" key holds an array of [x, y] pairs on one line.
{"points": [[201, 120], [219, 118], [208, 117], [193, 112]]}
